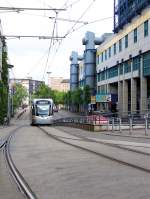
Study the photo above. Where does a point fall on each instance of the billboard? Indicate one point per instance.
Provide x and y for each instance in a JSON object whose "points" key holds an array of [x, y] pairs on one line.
{"points": [[103, 98]]}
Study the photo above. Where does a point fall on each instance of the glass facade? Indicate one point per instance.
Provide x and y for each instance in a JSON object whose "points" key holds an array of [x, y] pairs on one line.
{"points": [[113, 72], [120, 45], [126, 41], [146, 64], [136, 63], [135, 35], [127, 66], [146, 28]]}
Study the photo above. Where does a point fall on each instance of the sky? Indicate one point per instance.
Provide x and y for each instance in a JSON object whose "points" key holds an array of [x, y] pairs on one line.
{"points": [[34, 57]]}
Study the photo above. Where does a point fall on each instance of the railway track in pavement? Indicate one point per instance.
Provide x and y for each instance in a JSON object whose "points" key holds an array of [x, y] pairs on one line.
{"points": [[125, 156], [19, 180]]}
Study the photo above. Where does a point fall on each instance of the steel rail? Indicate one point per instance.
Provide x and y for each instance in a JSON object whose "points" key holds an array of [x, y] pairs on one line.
{"points": [[143, 169], [20, 181], [119, 146], [2, 143]]}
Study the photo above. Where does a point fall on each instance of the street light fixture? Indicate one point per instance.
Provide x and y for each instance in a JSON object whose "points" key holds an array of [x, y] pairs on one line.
{"points": [[48, 72]]}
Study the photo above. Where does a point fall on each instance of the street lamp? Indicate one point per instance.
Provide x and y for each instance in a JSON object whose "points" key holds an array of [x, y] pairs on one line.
{"points": [[10, 66], [49, 72]]}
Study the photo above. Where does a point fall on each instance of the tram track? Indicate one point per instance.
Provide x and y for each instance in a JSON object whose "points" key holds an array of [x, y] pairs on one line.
{"points": [[19, 180], [109, 144], [78, 143]]}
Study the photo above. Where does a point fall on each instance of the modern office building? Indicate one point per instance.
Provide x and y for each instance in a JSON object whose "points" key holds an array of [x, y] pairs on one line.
{"points": [[58, 83], [119, 73], [123, 61], [65, 84], [30, 85]]}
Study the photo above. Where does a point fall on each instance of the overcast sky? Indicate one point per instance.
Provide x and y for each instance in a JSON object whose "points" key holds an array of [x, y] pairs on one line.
{"points": [[30, 55]]}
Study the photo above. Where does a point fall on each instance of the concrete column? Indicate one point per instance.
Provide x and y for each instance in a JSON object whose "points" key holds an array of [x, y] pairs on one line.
{"points": [[108, 89], [125, 98], [133, 95], [143, 90], [133, 91], [120, 97]]}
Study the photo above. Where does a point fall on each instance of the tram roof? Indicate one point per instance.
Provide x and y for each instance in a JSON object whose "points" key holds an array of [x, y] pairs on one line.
{"points": [[41, 99]]}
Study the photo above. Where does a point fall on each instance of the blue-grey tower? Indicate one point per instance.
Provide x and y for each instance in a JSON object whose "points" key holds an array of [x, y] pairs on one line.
{"points": [[90, 59], [74, 70]]}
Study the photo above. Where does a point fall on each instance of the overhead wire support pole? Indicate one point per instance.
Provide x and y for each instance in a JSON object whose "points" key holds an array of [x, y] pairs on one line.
{"points": [[36, 9]]}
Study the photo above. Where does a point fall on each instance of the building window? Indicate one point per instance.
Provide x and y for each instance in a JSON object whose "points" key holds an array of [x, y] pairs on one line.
{"points": [[135, 35], [97, 60], [102, 76], [115, 49], [146, 64], [136, 63], [146, 28], [105, 54], [113, 72], [126, 41], [109, 52], [120, 45], [121, 69], [127, 67], [98, 90], [102, 58]]}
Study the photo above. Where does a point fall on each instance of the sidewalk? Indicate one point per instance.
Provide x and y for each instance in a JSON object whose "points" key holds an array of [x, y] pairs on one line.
{"points": [[139, 133]]}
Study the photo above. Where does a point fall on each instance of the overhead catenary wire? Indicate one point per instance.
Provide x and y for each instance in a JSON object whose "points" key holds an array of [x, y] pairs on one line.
{"points": [[50, 46], [35, 9], [70, 5], [71, 29], [90, 5], [32, 36]]}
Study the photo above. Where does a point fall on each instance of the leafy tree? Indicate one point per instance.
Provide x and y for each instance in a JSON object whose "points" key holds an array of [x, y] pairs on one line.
{"points": [[67, 99], [19, 95], [44, 92], [4, 84], [86, 95], [59, 97]]}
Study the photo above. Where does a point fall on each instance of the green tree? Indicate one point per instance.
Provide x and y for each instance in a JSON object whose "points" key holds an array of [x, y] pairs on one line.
{"points": [[19, 95], [43, 92], [86, 95], [59, 97], [4, 84]]}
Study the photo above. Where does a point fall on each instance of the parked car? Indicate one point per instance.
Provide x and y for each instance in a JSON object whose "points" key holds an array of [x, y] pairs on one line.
{"points": [[55, 108]]}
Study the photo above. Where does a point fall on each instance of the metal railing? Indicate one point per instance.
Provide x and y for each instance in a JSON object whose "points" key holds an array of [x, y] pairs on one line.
{"points": [[110, 124]]}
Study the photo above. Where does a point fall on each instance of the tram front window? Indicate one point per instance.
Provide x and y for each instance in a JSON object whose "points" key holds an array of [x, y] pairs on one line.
{"points": [[43, 110]]}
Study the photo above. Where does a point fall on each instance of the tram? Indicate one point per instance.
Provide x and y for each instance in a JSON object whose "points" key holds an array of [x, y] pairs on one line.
{"points": [[41, 111]]}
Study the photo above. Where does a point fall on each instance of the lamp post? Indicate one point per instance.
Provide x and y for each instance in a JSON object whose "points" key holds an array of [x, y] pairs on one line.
{"points": [[48, 73], [8, 104]]}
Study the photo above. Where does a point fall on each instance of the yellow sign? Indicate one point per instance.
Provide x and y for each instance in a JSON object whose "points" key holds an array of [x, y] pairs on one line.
{"points": [[93, 100]]}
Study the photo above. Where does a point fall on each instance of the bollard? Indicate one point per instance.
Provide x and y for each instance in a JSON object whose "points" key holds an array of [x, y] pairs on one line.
{"points": [[146, 123], [131, 126], [113, 124], [120, 125], [108, 125]]}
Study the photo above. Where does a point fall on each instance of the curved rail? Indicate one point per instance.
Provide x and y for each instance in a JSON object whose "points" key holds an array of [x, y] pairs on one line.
{"points": [[147, 170], [109, 144], [20, 181]]}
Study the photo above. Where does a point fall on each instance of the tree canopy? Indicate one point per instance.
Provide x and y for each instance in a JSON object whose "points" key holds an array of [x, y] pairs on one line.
{"points": [[20, 94]]}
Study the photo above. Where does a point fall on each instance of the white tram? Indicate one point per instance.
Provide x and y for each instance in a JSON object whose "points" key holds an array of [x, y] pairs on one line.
{"points": [[42, 111]]}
